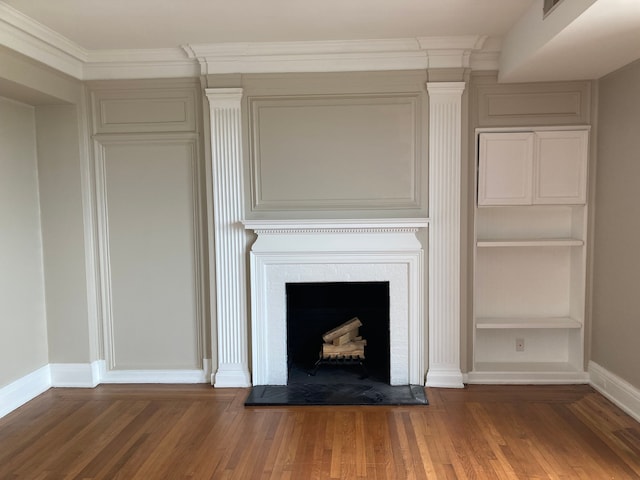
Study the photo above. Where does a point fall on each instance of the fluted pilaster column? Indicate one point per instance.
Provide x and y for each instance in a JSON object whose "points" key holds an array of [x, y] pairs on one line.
{"points": [[230, 238], [445, 117]]}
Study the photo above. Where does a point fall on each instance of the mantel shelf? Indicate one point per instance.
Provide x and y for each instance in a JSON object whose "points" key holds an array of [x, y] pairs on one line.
{"points": [[336, 225]]}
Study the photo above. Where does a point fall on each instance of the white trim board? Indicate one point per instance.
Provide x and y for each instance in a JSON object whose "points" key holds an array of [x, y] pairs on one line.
{"points": [[88, 375], [24, 389], [80, 375], [619, 391], [155, 376], [526, 378]]}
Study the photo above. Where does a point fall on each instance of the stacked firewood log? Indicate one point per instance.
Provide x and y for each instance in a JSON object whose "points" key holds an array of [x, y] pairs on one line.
{"points": [[344, 341]]}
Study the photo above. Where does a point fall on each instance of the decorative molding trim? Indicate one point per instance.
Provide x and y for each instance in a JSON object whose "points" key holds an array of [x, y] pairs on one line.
{"points": [[33, 39], [100, 142], [90, 228], [83, 375], [557, 103], [445, 124], [335, 56], [619, 391], [144, 55], [230, 237], [268, 195], [24, 389], [175, 111], [104, 253], [146, 63], [395, 225], [24, 35]]}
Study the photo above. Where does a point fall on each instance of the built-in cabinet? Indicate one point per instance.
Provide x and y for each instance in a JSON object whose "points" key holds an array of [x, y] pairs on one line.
{"points": [[532, 168], [530, 256]]}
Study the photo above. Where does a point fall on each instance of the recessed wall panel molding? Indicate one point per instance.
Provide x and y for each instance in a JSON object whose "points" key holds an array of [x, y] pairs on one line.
{"points": [[148, 213], [145, 110], [564, 103], [345, 152]]}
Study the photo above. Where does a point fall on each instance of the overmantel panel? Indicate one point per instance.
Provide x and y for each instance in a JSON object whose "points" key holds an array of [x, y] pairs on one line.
{"points": [[340, 144], [336, 152]]}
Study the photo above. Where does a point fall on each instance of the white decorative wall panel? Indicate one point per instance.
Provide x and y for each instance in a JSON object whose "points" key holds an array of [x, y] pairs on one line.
{"points": [[336, 152], [145, 110], [147, 199]]}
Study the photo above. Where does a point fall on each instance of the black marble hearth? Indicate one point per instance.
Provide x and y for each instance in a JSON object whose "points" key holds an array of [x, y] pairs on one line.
{"points": [[335, 386]]}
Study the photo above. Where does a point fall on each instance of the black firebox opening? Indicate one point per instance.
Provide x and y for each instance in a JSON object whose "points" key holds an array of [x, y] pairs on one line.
{"points": [[315, 308]]}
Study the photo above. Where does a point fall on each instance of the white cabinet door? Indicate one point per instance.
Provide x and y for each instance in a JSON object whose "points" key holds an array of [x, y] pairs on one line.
{"points": [[560, 167], [505, 175]]}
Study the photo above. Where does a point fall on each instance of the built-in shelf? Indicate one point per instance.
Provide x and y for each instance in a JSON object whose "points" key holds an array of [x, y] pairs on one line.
{"points": [[543, 242], [530, 256], [531, 322]]}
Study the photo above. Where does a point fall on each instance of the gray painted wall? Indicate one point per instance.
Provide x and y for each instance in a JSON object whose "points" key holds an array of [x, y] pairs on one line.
{"points": [[616, 303], [63, 233], [23, 328]]}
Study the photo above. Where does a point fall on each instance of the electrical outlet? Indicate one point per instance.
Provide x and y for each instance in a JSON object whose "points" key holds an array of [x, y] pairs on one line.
{"points": [[519, 344]]}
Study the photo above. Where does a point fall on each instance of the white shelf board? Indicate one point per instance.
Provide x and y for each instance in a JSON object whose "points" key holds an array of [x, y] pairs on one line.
{"points": [[540, 242], [527, 322], [524, 367]]}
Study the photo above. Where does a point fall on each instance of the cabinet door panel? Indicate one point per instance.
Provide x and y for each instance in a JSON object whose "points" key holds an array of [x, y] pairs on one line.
{"points": [[560, 167], [505, 169]]}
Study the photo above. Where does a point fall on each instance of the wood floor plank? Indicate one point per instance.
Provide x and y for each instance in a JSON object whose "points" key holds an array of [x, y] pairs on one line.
{"points": [[156, 432]]}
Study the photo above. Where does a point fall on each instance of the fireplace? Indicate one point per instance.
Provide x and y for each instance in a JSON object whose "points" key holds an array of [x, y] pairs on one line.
{"points": [[313, 309], [341, 250], [295, 252]]}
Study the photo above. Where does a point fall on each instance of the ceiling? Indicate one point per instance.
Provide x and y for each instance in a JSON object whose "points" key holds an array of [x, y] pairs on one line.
{"points": [[135, 24], [580, 39]]}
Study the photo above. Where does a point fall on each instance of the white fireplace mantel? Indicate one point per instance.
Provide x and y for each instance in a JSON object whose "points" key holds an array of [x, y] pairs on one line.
{"points": [[296, 251]]}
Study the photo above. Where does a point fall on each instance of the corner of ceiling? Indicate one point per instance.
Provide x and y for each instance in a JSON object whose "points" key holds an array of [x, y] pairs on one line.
{"points": [[28, 37]]}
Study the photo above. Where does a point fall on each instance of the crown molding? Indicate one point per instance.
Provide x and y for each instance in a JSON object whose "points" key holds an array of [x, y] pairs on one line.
{"points": [[28, 37], [24, 35], [143, 63], [336, 56]]}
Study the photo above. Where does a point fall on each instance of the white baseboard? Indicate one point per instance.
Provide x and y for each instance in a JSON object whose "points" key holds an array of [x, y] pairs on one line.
{"points": [[154, 376], [619, 391], [232, 375], [526, 378], [83, 375], [89, 375], [444, 379], [24, 389]]}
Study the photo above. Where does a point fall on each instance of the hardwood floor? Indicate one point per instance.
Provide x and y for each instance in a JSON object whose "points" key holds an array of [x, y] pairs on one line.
{"points": [[197, 432]]}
